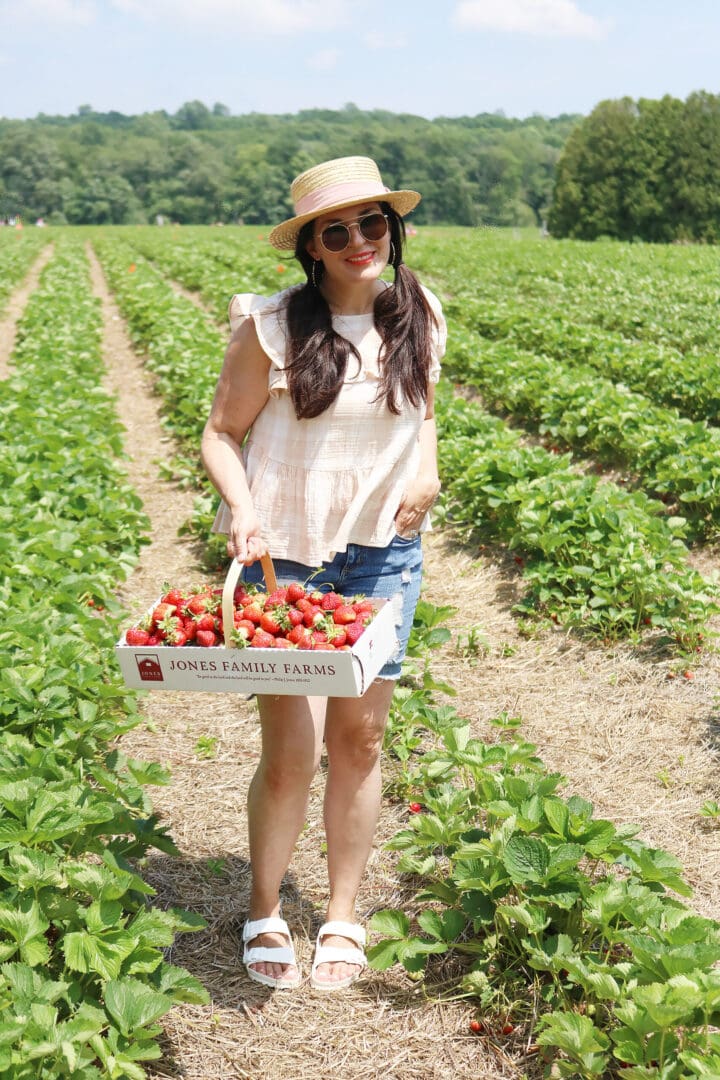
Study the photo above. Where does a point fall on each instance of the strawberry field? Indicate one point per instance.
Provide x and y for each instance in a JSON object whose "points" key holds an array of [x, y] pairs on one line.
{"points": [[544, 896]]}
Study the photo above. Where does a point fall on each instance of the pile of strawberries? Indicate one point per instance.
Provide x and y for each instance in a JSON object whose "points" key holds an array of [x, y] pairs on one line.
{"points": [[291, 617]]}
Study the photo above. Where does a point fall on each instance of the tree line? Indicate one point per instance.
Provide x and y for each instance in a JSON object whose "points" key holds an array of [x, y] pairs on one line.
{"points": [[645, 170], [203, 165]]}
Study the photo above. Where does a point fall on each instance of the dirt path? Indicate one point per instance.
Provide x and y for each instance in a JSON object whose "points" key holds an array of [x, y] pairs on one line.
{"points": [[16, 305]]}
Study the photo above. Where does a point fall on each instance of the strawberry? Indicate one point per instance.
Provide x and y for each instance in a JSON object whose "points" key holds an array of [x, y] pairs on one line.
{"points": [[246, 626], [295, 592], [239, 637], [353, 631], [319, 636], [337, 635], [136, 636], [179, 638], [331, 600], [190, 628], [206, 638], [206, 622], [314, 617], [344, 614], [271, 621], [279, 596], [283, 643], [294, 617], [168, 627], [415, 808], [153, 640], [364, 607], [161, 611], [262, 640], [324, 646], [174, 596], [477, 1027], [299, 634], [198, 604], [316, 597], [305, 604], [253, 612]]}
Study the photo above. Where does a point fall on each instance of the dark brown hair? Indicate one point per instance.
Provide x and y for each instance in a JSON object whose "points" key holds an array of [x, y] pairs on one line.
{"points": [[318, 355]]}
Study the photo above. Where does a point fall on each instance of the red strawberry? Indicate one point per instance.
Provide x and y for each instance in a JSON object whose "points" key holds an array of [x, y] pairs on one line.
{"points": [[161, 611], [305, 604], [353, 631], [295, 592], [331, 600], [314, 617], [153, 640], [190, 628], [337, 636], [324, 646], [344, 614], [136, 636], [262, 640], [199, 604], [253, 611], [283, 643], [279, 596], [206, 638], [206, 622], [364, 607], [318, 636], [316, 597], [239, 636], [299, 635], [415, 808], [294, 617], [246, 626], [477, 1027], [174, 596], [272, 621], [179, 638]]}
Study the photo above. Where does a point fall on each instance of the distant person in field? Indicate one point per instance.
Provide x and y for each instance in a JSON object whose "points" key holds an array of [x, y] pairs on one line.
{"points": [[322, 444]]}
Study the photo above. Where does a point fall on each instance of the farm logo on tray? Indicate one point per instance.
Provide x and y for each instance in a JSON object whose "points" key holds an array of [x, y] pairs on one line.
{"points": [[149, 667]]}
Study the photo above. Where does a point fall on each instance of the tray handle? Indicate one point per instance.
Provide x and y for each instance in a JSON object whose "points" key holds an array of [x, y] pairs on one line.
{"points": [[231, 580]]}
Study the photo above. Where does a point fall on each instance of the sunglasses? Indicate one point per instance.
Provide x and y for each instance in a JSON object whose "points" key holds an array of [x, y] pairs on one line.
{"points": [[372, 227]]}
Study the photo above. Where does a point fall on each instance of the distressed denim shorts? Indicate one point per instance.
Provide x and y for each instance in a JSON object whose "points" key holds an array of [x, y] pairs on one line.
{"points": [[392, 573]]}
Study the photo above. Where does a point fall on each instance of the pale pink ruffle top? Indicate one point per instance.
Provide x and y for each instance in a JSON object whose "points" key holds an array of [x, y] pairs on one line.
{"points": [[337, 479]]}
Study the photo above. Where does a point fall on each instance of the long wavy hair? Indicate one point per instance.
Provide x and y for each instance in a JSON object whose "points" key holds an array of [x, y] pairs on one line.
{"points": [[318, 356]]}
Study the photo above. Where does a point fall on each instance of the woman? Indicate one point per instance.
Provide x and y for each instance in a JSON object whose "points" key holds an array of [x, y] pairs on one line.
{"points": [[321, 442]]}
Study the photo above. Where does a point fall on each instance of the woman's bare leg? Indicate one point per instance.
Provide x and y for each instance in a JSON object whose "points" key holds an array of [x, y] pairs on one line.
{"points": [[354, 730], [292, 733]]}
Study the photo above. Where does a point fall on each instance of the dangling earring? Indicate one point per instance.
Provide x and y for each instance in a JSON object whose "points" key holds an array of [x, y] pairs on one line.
{"points": [[313, 274]]}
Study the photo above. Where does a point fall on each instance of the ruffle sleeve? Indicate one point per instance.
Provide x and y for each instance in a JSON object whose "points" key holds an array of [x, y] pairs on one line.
{"points": [[439, 335], [268, 313]]}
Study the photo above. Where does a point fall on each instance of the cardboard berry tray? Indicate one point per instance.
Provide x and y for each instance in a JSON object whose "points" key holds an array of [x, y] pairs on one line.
{"points": [[225, 669]]}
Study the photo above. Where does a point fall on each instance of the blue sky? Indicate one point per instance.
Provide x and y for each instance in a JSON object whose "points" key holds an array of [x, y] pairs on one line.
{"points": [[454, 58]]}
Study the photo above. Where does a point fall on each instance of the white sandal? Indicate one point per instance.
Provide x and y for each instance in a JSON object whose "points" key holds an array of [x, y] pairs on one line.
{"points": [[263, 954], [328, 954]]}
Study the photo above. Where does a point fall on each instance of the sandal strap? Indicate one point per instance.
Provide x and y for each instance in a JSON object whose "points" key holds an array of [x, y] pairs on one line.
{"points": [[262, 954], [330, 954], [254, 927], [352, 931]]}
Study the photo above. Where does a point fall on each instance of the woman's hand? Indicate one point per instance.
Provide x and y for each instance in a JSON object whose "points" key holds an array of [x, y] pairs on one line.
{"points": [[244, 540], [417, 499]]}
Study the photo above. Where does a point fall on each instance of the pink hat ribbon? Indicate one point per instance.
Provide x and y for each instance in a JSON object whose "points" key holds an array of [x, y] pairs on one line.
{"points": [[315, 201]]}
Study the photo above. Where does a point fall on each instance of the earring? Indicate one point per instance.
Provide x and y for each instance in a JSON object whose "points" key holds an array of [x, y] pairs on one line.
{"points": [[313, 274]]}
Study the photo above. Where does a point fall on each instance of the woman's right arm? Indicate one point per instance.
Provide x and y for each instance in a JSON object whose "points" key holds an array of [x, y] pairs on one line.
{"points": [[240, 395]]}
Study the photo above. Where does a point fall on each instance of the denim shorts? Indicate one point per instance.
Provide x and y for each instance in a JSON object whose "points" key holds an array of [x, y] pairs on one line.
{"points": [[392, 573]]}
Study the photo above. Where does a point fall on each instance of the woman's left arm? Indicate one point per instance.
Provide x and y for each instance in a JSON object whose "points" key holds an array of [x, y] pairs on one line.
{"points": [[423, 489]]}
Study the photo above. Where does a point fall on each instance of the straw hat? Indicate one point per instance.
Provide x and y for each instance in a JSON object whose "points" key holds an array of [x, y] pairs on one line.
{"points": [[333, 185]]}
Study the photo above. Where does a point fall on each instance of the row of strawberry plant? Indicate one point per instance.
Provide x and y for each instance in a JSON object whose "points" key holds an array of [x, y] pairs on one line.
{"points": [[653, 294], [216, 268], [18, 251], [564, 925], [83, 979], [670, 455], [664, 374], [594, 556]]}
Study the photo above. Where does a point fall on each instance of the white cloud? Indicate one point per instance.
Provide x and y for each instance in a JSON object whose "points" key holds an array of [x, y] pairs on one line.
{"points": [[546, 18], [376, 39], [72, 12], [237, 16], [324, 60]]}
